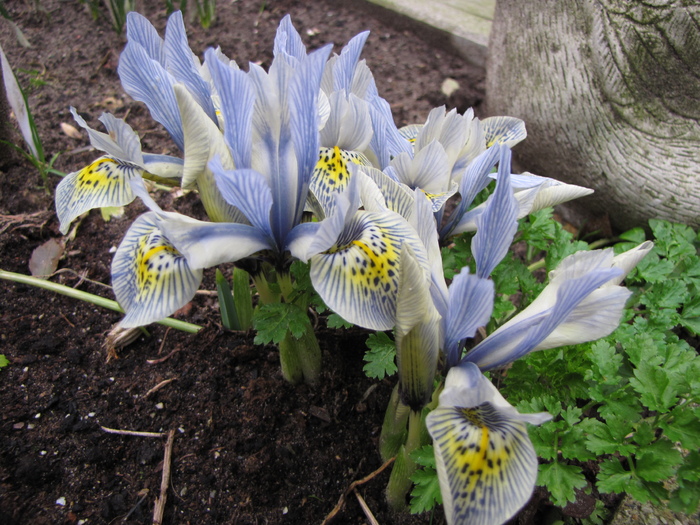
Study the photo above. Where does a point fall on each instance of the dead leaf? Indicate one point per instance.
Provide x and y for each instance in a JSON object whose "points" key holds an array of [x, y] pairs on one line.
{"points": [[71, 131], [45, 258]]}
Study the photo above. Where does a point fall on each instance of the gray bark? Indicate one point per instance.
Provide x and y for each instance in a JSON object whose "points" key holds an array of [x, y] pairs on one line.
{"points": [[610, 93]]}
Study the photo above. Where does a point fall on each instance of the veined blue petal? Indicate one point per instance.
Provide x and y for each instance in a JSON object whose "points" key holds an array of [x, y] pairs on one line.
{"points": [[397, 196], [120, 141], [486, 464], [303, 107], [344, 67], [527, 330], [248, 191], [151, 279], [287, 41], [184, 66], [358, 276], [386, 142], [103, 183], [204, 141], [508, 131], [147, 81], [470, 306], [496, 227], [237, 102], [207, 244], [139, 30], [475, 179]]}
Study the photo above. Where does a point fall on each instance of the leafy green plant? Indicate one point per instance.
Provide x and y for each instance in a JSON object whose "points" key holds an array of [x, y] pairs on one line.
{"points": [[628, 402]]}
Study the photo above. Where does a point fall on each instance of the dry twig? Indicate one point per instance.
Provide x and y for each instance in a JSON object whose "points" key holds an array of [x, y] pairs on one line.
{"points": [[368, 513], [165, 479], [352, 486], [158, 387], [136, 433]]}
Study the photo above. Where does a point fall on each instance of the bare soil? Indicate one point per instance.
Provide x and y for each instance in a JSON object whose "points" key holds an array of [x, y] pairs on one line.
{"points": [[248, 447]]}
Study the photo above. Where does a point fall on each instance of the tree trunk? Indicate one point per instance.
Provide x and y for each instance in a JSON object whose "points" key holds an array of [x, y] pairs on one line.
{"points": [[610, 93]]}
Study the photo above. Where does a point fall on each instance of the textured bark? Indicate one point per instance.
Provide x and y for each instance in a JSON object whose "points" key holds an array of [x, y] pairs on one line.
{"points": [[610, 94]]}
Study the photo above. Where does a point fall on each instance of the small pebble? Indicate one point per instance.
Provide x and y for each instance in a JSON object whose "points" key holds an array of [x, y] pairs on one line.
{"points": [[61, 501]]}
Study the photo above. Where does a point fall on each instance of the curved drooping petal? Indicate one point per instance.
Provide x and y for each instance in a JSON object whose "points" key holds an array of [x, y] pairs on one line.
{"points": [[577, 306], [486, 464], [534, 193], [508, 131], [397, 196], [496, 227], [105, 182], [358, 276], [417, 333], [207, 244], [203, 142], [151, 279]]}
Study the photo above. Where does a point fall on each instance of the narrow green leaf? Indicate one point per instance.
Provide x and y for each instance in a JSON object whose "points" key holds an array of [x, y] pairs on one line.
{"points": [[226, 306]]}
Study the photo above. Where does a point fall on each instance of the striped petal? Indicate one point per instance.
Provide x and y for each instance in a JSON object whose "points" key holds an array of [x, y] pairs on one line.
{"points": [[120, 141], [151, 279], [496, 227], [358, 276], [487, 466], [147, 81], [105, 182], [141, 31], [503, 130]]}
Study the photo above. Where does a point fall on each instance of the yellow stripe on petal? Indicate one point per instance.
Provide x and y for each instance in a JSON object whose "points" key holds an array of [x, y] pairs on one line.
{"points": [[151, 279], [487, 466], [358, 276], [331, 174], [103, 183]]}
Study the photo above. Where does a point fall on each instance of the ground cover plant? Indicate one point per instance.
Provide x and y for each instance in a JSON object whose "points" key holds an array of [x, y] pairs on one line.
{"points": [[435, 325]]}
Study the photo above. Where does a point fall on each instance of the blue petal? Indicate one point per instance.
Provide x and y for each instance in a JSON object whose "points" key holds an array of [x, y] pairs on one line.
{"points": [[520, 338], [248, 191], [237, 102], [120, 141], [139, 30], [207, 244], [288, 42], [151, 279], [496, 227], [470, 306], [344, 68], [475, 179], [148, 82], [180, 62]]}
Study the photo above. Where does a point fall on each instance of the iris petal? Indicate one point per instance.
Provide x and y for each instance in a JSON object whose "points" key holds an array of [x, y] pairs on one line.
{"points": [[151, 279]]}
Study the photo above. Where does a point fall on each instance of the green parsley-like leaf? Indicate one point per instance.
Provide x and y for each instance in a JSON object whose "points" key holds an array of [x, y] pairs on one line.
{"points": [[335, 321], [561, 480], [273, 321], [426, 491], [380, 357], [658, 462]]}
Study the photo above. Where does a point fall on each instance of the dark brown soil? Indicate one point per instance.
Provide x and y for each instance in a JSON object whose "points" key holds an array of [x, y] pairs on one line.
{"points": [[248, 447]]}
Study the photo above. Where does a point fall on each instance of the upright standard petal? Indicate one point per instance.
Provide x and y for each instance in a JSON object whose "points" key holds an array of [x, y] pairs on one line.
{"points": [[151, 279], [487, 466], [496, 227]]}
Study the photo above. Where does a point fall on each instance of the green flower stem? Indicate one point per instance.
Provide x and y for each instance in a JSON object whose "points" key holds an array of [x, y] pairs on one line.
{"points": [[536, 265], [262, 285], [89, 298], [300, 358], [284, 280], [400, 480], [394, 432]]}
